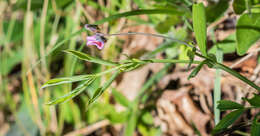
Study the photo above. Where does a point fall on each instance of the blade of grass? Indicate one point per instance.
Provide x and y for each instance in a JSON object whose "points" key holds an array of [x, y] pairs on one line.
{"points": [[139, 12], [54, 48], [217, 86]]}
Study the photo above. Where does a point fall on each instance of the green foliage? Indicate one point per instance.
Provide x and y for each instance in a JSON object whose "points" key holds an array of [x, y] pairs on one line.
{"points": [[120, 98], [247, 31], [228, 120], [199, 26], [239, 6], [131, 123], [164, 26], [197, 69], [66, 80], [73, 93], [228, 105], [255, 101], [228, 45], [89, 58], [216, 10], [255, 128], [140, 12]]}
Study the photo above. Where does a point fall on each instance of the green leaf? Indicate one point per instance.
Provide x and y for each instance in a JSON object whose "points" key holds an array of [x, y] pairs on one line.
{"points": [[247, 31], [216, 10], [229, 105], [140, 12], [255, 101], [120, 98], [147, 118], [239, 6], [196, 70], [228, 120], [236, 74], [131, 124], [100, 90], [89, 58], [255, 128], [228, 45], [73, 93], [7, 63], [199, 26], [64, 80], [170, 21], [191, 54]]}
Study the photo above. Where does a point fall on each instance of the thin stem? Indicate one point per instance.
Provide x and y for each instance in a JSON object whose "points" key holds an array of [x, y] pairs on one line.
{"points": [[236, 74], [218, 65], [148, 34], [170, 61]]}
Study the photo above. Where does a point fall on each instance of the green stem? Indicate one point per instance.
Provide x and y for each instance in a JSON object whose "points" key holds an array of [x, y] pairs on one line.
{"points": [[236, 74], [170, 61]]}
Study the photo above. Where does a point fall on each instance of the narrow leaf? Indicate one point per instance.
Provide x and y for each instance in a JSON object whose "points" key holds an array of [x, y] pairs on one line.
{"points": [[255, 101], [131, 124], [100, 90], [199, 26], [73, 93], [196, 70], [89, 58], [247, 31], [228, 120], [229, 105], [140, 12], [64, 80]]}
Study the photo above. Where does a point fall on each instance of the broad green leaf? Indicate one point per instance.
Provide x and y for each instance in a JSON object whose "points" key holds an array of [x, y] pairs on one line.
{"points": [[199, 26], [229, 105], [255, 128], [120, 98], [228, 45], [64, 80], [89, 58], [228, 120], [140, 12], [73, 93], [255, 101], [196, 70], [216, 10], [239, 6], [247, 31]]}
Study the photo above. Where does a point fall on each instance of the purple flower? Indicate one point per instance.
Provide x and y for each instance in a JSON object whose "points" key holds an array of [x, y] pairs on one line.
{"points": [[97, 39]]}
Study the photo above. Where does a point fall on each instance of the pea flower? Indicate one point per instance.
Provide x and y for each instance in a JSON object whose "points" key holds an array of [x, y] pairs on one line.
{"points": [[98, 40]]}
